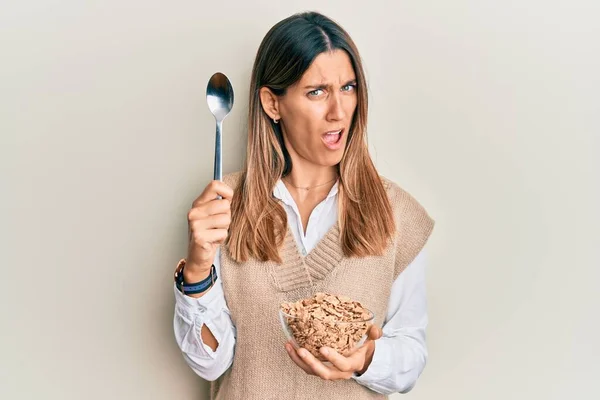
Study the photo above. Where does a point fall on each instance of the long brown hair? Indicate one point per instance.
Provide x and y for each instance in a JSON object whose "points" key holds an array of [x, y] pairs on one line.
{"points": [[259, 223]]}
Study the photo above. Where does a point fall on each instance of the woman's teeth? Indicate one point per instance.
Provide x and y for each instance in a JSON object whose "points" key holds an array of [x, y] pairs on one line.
{"points": [[333, 137]]}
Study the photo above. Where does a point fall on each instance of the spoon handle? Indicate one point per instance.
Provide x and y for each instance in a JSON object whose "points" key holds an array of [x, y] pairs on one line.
{"points": [[218, 154]]}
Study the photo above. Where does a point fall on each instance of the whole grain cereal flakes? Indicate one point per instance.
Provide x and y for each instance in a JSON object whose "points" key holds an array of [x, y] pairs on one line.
{"points": [[330, 320]]}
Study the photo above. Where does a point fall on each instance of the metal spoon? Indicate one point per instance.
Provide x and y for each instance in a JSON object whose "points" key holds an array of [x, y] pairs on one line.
{"points": [[219, 96]]}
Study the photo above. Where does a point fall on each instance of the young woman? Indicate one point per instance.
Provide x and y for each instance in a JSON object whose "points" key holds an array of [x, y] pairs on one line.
{"points": [[309, 213]]}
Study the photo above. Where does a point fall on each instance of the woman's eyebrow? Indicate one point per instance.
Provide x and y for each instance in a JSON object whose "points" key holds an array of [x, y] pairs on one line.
{"points": [[328, 85]]}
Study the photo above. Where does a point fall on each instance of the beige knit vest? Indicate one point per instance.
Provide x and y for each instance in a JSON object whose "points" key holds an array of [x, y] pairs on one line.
{"points": [[261, 369]]}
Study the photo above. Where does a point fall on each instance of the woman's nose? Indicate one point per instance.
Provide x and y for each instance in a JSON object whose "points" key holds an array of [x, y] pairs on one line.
{"points": [[336, 108]]}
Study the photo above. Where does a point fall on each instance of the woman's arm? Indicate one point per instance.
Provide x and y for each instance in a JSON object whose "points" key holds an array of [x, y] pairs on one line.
{"points": [[401, 353], [204, 331]]}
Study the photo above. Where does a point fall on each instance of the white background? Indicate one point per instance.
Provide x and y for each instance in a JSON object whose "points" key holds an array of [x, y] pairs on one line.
{"points": [[486, 111]]}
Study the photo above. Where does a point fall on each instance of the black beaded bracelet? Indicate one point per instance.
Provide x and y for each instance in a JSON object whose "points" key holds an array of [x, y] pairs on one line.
{"points": [[194, 288]]}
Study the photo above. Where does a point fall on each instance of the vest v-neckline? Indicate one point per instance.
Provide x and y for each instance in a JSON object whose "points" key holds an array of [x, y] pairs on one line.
{"points": [[299, 271]]}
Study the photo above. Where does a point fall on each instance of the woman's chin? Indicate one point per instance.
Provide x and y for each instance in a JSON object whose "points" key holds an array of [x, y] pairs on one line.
{"points": [[330, 161]]}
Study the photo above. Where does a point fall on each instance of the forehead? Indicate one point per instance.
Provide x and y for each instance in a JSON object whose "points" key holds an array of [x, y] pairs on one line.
{"points": [[329, 68]]}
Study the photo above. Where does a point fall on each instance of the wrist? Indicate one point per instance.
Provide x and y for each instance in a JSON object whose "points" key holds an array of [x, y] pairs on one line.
{"points": [[368, 357], [193, 273], [195, 283]]}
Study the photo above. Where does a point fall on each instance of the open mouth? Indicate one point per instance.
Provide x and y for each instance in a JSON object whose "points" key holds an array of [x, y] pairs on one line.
{"points": [[332, 139]]}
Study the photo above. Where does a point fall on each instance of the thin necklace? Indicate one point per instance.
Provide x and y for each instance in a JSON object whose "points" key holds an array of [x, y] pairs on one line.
{"points": [[310, 187]]}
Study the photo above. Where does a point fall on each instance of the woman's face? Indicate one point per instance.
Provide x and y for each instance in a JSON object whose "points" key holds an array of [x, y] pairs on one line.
{"points": [[316, 112]]}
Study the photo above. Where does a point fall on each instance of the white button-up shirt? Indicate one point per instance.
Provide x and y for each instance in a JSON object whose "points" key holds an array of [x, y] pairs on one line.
{"points": [[400, 354]]}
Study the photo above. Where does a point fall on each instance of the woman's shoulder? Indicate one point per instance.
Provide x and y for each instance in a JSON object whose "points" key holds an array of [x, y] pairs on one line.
{"points": [[414, 225], [404, 204], [394, 191], [233, 178]]}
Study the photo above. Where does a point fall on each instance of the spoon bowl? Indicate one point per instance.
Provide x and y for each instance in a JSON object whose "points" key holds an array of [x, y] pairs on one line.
{"points": [[219, 96]]}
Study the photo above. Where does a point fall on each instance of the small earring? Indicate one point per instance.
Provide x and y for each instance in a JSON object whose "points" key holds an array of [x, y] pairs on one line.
{"points": [[276, 121]]}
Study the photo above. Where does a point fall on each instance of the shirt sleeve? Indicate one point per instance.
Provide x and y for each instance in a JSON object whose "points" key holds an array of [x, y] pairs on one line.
{"points": [[210, 310], [401, 353]]}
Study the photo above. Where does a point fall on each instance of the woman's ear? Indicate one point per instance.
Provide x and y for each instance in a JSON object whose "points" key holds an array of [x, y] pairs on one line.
{"points": [[270, 103]]}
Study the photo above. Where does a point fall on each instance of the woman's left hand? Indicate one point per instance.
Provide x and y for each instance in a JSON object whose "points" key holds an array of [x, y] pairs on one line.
{"points": [[342, 367]]}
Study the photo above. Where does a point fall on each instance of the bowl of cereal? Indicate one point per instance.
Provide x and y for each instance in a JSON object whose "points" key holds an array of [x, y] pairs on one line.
{"points": [[325, 319]]}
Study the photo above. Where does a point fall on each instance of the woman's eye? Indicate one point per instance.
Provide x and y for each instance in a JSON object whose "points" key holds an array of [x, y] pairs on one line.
{"points": [[315, 92], [348, 88]]}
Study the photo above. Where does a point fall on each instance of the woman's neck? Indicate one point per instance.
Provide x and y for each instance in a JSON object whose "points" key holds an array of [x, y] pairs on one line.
{"points": [[312, 177], [309, 188]]}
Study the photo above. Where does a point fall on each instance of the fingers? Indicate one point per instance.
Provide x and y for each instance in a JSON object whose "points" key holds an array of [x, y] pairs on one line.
{"points": [[317, 367], [218, 221], [358, 358], [212, 190], [343, 367], [208, 223], [209, 208], [344, 364], [374, 332], [355, 360], [296, 358], [211, 236]]}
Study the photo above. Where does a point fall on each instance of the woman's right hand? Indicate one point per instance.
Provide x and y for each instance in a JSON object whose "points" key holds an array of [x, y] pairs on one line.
{"points": [[208, 226]]}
